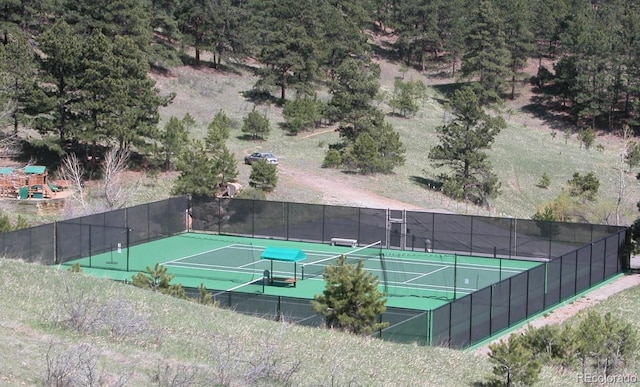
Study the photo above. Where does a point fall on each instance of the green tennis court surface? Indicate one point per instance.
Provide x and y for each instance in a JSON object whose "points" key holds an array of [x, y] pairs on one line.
{"points": [[411, 279]]}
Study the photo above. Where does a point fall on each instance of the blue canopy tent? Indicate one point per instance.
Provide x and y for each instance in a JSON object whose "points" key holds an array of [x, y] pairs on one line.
{"points": [[283, 254]]}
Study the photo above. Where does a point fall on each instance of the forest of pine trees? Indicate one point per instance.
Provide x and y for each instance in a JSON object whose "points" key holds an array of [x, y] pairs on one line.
{"points": [[78, 71]]}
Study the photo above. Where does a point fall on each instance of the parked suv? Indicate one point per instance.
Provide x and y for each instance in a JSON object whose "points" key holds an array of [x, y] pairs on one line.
{"points": [[258, 156]]}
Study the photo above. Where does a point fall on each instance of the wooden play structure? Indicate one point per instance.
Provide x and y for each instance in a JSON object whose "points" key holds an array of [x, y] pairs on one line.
{"points": [[30, 182]]}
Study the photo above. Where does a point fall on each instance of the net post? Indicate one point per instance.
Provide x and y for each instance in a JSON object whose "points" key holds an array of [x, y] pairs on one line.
{"points": [[302, 272]]}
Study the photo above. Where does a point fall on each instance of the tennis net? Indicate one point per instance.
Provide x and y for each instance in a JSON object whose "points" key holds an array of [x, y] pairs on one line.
{"points": [[316, 269]]}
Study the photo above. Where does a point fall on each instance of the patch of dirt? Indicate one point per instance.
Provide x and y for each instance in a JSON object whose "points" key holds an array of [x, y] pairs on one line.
{"points": [[337, 192]]}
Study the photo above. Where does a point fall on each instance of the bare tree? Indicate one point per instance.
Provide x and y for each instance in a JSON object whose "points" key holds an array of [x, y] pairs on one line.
{"points": [[115, 163], [9, 145], [72, 171]]}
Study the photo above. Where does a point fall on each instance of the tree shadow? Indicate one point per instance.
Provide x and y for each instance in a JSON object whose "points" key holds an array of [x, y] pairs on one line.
{"points": [[426, 183], [553, 113], [447, 89], [249, 137], [190, 61], [260, 97]]}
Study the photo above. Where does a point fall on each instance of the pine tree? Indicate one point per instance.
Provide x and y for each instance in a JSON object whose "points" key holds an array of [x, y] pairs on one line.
{"points": [[378, 150], [226, 165], [159, 280], [513, 362], [174, 138], [256, 124], [404, 98], [351, 300], [460, 149], [120, 103], [197, 172], [199, 21], [62, 68], [487, 59], [218, 131], [286, 44], [264, 176], [17, 71], [355, 86], [302, 113]]}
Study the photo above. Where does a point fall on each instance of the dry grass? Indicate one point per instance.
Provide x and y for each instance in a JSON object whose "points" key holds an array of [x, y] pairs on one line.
{"points": [[192, 344], [520, 155]]}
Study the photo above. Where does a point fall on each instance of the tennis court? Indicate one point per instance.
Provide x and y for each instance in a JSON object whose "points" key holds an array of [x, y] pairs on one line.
{"points": [[411, 279]]}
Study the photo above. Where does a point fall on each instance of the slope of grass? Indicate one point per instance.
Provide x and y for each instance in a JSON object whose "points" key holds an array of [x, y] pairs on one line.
{"points": [[150, 338], [520, 155]]}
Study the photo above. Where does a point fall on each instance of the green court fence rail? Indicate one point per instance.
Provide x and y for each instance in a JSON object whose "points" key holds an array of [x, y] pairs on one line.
{"points": [[479, 315], [576, 256]]}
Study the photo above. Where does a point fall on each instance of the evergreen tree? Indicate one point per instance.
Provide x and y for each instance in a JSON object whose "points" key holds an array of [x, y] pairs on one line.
{"points": [[513, 362], [460, 149], [546, 23], [61, 68], [18, 70], [286, 44], [604, 343], [264, 176], [516, 15], [199, 20], [453, 26], [256, 124], [302, 113], [487, 59], [378, 150], [355, 87], [417, 21], [174, 138], [197, 172], [586, 186], [159, 280], [218, 131], [226, 165], [340, 37], [351, 300], [116, 18], [404, 98], [365, 154], [120, 103], [546, 221]]}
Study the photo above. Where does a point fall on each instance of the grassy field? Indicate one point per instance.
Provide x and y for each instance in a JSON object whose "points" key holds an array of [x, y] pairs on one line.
{"points": [[149, 339], [520, 155]]}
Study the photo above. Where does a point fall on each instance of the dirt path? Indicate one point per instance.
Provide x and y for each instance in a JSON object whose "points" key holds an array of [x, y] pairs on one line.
{"points": [[339, 193], [563, 313]]}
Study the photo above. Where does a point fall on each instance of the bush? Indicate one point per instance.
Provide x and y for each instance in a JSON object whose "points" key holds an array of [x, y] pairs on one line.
{"points": [[351, 300], [332, 159], [263, 176], [513, 362], [545, 181]]}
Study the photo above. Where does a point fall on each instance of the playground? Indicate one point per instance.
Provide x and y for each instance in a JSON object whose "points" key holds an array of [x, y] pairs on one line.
{"points": [[31, 182]]}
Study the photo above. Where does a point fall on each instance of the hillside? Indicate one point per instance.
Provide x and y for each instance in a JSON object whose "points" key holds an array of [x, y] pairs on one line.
{"points": [[524, 151], [141, 338]]}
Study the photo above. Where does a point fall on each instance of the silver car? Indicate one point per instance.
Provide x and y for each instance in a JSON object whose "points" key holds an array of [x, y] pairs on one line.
{"points": [[258, 156]]}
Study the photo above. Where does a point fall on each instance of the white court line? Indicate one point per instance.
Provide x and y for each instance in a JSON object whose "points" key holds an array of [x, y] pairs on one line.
{"points": [[426, 274], [201, 253], [414, 261]]}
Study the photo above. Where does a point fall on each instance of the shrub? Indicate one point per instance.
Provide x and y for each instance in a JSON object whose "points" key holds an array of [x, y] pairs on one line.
{"points": [[332, 159]]}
